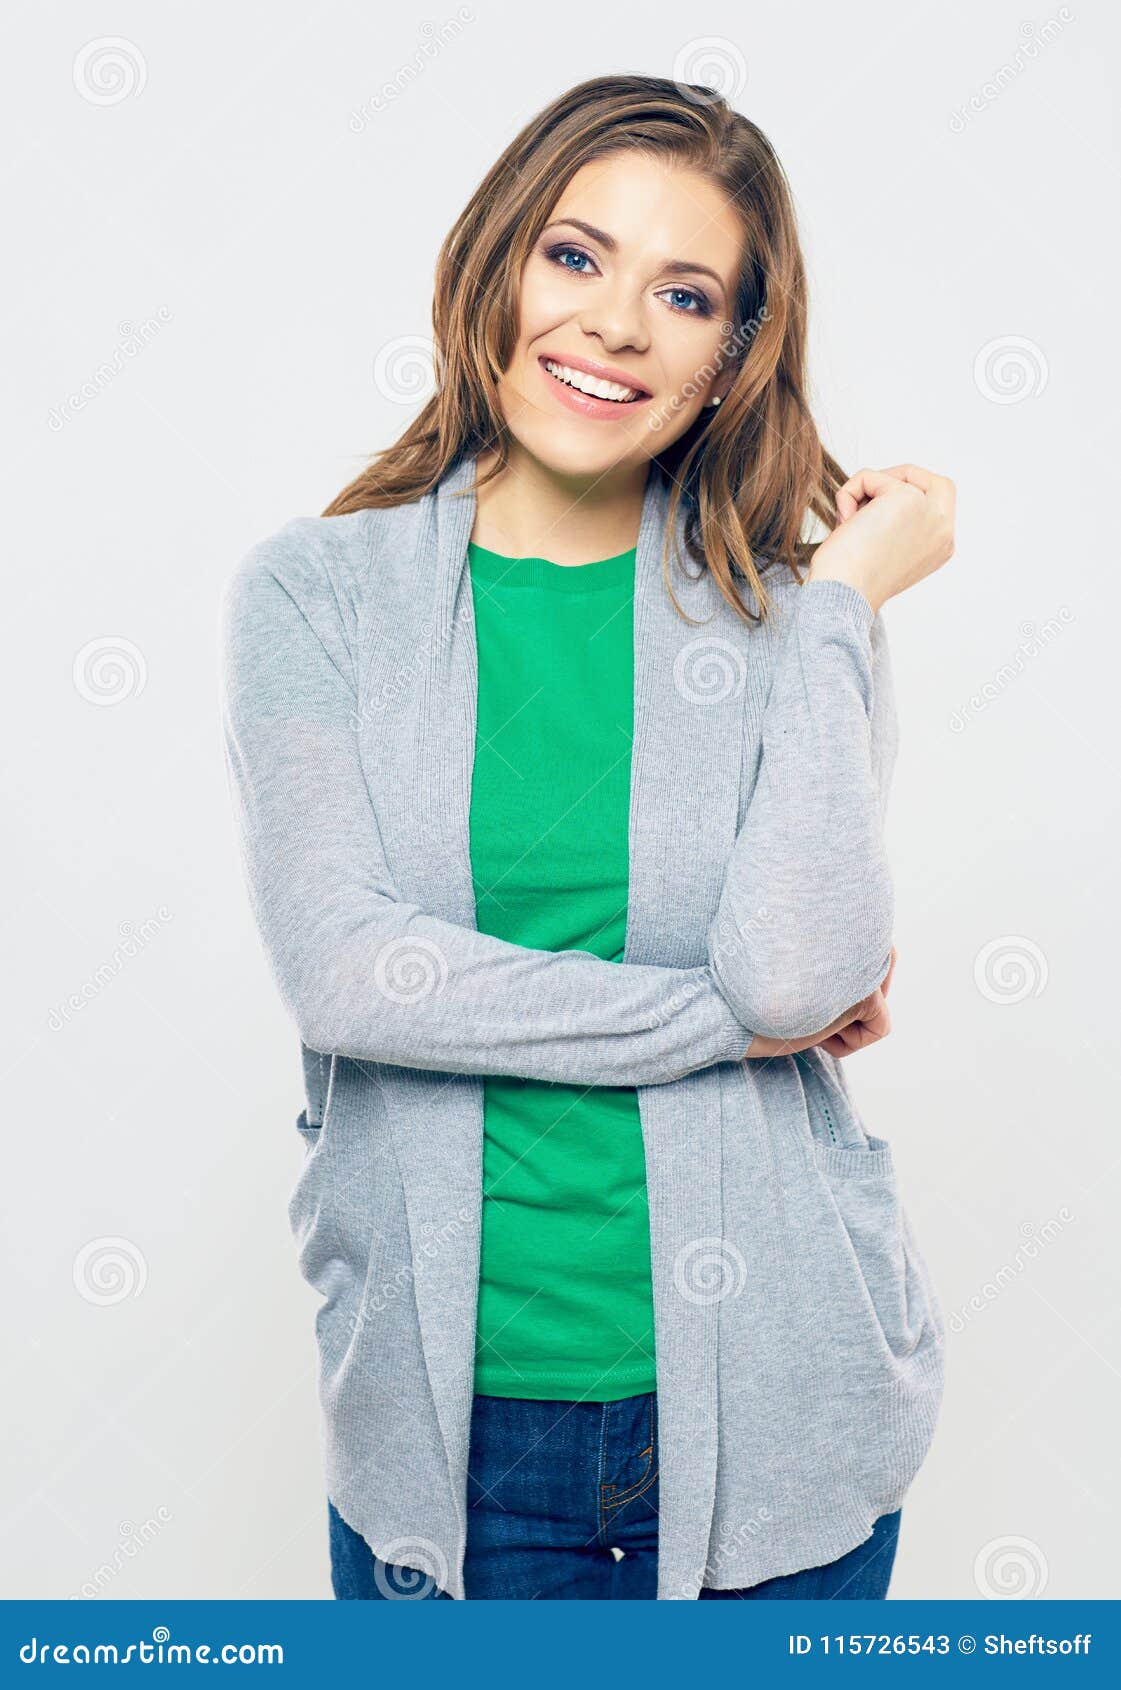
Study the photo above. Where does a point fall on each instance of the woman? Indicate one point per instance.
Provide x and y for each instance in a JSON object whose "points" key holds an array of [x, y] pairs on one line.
{"points": [[560, 763]]}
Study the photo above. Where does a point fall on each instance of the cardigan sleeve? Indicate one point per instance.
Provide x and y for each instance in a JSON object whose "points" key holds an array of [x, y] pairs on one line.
{"points": [[803, 929], [365, 974]]}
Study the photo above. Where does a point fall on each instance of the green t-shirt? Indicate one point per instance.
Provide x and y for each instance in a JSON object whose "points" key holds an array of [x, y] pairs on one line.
{"points": [[565, 1301]]}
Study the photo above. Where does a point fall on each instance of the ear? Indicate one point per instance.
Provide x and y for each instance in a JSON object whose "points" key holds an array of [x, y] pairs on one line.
{"points": [[720, 385]]}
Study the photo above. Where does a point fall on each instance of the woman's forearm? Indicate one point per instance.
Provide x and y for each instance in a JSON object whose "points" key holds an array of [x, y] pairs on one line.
{"points": [[804, 926], [369, 976]]}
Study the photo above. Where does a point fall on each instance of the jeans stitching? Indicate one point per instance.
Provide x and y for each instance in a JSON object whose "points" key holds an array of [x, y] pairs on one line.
{"points": [[601, 1516], [647, 1479]]}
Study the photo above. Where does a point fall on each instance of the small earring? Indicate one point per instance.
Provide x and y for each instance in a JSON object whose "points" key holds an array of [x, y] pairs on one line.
{"points": [[716, 401]]}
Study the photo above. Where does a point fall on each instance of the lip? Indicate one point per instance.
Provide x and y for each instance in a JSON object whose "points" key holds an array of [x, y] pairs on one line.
{"points": [[585, 404]]}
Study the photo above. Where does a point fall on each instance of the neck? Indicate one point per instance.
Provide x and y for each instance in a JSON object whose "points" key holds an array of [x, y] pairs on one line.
{"points": [[531, 510]]}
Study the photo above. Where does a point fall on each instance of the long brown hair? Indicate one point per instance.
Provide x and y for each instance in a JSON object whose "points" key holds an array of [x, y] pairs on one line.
{"points": [[747, 472]]}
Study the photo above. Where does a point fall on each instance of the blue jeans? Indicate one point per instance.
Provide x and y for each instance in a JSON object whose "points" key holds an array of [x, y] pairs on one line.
{"points": [[553, 1487]]}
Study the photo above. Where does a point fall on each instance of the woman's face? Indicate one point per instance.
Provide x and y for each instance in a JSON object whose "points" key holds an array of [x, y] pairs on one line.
{"points": [[636, 270]]}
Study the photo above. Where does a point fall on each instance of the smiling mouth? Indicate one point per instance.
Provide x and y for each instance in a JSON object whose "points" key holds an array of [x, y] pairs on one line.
{"points": [[593, 387]]}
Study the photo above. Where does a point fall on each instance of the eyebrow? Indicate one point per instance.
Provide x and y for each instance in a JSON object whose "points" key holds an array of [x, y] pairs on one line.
{"points": [[675, 266]]}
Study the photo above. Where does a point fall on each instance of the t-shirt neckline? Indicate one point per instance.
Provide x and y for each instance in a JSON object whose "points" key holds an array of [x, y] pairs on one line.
{"points": [[498, 571]]}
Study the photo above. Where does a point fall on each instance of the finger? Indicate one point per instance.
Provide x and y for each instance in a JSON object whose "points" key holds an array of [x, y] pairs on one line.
{"points": [[939, 488], [886, 981], [878, 1023], [873, 1023], [919, 477], [856, 1036], [850, 493], [864, 485], [834, 1046]]}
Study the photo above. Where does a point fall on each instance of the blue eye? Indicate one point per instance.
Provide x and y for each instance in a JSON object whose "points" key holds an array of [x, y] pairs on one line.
{"points": [[703, 309], [558, 252], [700, 306]]}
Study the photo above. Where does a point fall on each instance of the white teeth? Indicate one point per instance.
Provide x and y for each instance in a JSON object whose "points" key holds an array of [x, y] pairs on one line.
{"points": [[591, 384]]}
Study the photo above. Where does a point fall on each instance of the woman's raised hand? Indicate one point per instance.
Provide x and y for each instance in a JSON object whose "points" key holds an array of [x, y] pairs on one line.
{"points": [[895, 527]]}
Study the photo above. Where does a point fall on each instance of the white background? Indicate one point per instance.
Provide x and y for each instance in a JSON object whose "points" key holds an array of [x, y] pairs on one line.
{"points": [[280, 243]]}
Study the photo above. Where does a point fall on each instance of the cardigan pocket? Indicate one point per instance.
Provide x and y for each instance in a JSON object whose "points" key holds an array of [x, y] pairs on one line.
{"points": [[304, 1208], [317, 1079], [862, 1186], [855, 1171], [309, 1131], [303, 1203]]}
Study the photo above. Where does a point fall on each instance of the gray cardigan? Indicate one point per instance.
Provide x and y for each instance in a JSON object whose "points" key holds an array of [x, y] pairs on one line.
{"points": [[799, 1343]]}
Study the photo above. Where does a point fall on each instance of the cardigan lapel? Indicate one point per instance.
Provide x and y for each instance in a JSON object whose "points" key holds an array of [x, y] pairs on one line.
{"points": [[685, 790], [436, 1117], [688, 715]]}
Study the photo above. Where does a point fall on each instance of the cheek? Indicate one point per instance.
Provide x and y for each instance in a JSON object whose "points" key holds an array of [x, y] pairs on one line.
{"points": [[690, 363], [689, 360], [547, 297]]}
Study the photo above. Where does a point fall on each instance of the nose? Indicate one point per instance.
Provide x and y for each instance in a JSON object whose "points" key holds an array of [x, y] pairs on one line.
{"points": [[617, 316]]}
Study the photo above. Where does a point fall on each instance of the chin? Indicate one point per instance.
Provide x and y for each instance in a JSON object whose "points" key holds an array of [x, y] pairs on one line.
{"points": [[566, 451]]}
